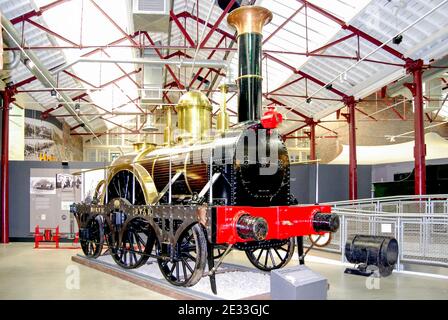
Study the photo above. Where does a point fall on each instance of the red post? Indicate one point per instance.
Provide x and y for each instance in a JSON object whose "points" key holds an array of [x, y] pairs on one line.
{"points": [[353, 167], [312, 135], [56, 238], [36, 237], [415, 67], [7, 99]]}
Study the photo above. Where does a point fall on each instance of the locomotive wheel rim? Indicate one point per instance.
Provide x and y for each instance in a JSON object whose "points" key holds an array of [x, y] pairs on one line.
{"points": [[135, 246], [271, 258], [93, 248], [316, 241], [143, 180], [188, 265]]}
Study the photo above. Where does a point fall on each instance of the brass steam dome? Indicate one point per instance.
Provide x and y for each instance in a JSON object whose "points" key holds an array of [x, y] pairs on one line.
{"points": [[194, 115]]}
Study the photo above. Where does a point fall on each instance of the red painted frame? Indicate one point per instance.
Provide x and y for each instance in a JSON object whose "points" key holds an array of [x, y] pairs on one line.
{"points": [[283, 221]]}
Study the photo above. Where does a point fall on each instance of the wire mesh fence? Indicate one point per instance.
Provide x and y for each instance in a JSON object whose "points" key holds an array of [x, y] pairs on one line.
{"points": [[420, 225]]}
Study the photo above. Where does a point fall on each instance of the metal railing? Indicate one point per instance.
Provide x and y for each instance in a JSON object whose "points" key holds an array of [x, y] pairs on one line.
{"points": [[419, 223]]}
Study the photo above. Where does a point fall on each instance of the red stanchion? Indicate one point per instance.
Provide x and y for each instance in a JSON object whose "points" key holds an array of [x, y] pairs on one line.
{"points": [[51, 237]]}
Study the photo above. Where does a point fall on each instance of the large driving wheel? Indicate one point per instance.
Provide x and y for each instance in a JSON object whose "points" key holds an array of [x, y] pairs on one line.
{"points": [[189, 261], [93, 239], [124, 185], [136, 244], [273, 257]]}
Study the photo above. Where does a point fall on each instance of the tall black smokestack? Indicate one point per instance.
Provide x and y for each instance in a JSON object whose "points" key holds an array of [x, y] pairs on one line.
{"points": [[249, 22]]}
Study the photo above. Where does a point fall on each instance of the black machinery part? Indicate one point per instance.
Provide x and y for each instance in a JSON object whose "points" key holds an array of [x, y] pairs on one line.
{"points": [[367, 250], [224, 3], [325, 222], [250, 227]]}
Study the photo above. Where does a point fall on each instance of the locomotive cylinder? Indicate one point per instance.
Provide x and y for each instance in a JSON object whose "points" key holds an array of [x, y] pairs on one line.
{"points": [[250, 227], [249, 22]]}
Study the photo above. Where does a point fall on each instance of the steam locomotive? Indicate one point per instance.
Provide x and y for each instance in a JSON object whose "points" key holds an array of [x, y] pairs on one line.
{"points": [[189, 203]]}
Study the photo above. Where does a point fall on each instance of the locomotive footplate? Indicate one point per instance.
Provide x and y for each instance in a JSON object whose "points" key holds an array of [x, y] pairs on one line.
{"points": [[184, 238], [248, 227]]}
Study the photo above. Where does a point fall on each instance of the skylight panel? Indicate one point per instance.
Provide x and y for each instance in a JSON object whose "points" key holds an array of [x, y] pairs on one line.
{"points": [[85, 24]]}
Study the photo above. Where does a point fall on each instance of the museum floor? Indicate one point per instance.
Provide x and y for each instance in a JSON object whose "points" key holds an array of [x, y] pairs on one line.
{"points": [[26, 273]]}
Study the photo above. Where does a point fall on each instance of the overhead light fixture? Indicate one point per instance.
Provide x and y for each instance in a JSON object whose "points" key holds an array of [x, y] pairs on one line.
{"points": [[224, 3], [77, 108], [397, 39], [53, 93], [308, 100], [329, 86]]}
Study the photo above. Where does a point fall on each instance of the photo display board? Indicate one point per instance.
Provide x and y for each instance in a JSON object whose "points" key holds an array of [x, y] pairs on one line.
{"points": [[52, 191]]}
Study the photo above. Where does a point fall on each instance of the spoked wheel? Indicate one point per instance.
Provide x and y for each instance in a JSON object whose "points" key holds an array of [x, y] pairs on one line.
{"points": [[189, 261], [271, 258], [320, 240], [136, 244], [93, 244]]}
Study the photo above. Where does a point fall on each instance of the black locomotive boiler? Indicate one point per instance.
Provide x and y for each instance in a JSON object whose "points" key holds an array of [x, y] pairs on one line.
{"points": [[190, 203]]}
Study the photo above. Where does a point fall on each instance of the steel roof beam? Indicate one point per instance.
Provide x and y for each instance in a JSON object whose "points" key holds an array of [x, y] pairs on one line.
{"points": [[283, 24], [83, 95], [186, 14], [53, 33], [217, 23], [173, 75], [335, 42], [305, 75], [125, 34], [181, 28], [284, 85], [288, 108], [353, 29], [35, 13], [208, 57], [123, 71], [297, 129]]}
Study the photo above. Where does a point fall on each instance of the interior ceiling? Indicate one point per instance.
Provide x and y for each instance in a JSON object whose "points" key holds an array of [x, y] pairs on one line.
{"points": [[294, 29]]}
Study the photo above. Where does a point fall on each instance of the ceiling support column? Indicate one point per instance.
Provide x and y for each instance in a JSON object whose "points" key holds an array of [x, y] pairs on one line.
{"points": [[415, 67], [7, 98], [312, 135], [353, 166]]}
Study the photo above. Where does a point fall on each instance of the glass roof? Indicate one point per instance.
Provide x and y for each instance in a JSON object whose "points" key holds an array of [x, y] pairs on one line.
{"points": [[89, 27], [297, 30]]}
